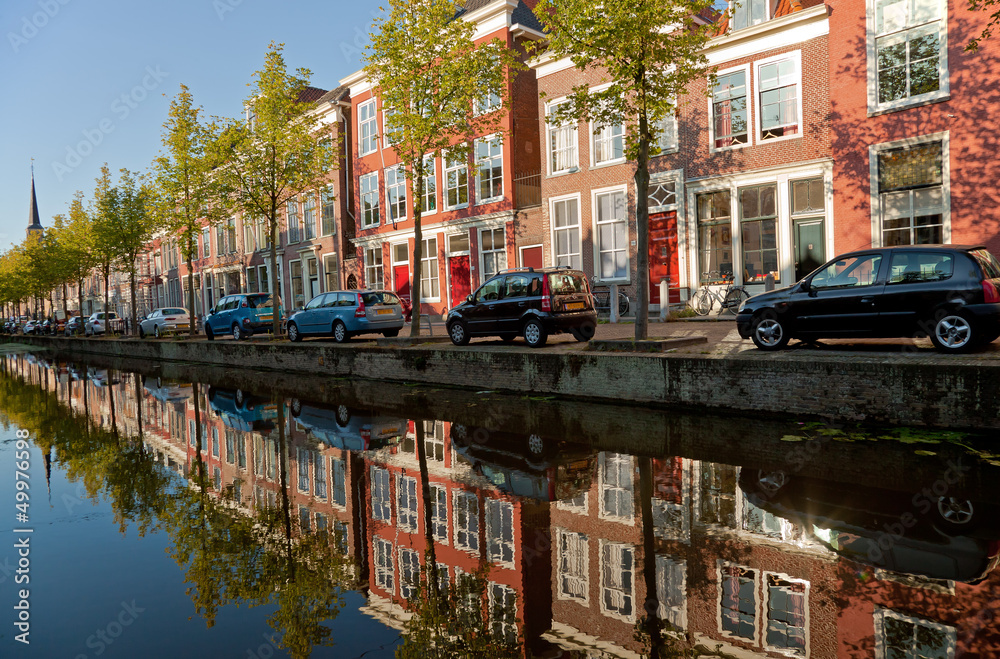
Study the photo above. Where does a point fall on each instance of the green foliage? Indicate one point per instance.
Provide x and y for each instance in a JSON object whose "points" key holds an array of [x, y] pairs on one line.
{"points": [[992, 21]]}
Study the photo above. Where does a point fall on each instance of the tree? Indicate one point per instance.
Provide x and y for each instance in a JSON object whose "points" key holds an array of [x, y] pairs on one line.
{"points": [[272, 156], [186, 187], [992, 22], [104, 212], [134, 227], [77, 238], [428, 73], [649, 51]]}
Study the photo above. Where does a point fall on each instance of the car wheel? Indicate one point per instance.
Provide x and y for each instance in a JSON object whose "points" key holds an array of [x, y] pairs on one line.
{"points": [[458, 333], [954, 333], [142, 334], [768, 333], [584, 332], [239, 398], [209, 334], [296, 407], [343, 416], [293, 333], [237, 332], [536, 444], [955, 513], [770, 482], [391, 334], [339, 332], [534, 334], [156, 331]]}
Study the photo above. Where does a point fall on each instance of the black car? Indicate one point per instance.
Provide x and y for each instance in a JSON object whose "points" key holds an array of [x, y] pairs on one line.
{"points": [[527, 302], [947, 292]]}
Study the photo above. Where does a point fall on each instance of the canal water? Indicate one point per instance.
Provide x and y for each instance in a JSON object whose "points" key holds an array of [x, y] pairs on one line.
{"points": [[180, 511]]}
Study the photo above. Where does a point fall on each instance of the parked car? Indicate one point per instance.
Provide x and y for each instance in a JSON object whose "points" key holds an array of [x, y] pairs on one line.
{"points": [[243, 411], [947, 292], [29, 327], [241, 314], [73, 326], [529, 303], [163, 320], [348, 428], [101, 322], [344, 314]]}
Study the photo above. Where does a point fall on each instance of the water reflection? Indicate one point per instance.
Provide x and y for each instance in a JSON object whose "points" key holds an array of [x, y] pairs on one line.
{"points": [[490, 539]]}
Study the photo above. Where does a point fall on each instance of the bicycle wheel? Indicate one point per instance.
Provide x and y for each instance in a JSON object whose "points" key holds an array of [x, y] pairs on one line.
{"points": [[704, 303], [623, 304], [734, 299]]}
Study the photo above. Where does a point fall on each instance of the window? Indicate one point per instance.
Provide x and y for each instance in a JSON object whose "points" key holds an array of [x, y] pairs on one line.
{"points": [[319, 467], [609, 144], [367, 128], [429, 202], [368, 185], [241, 453], [439, 512], [381, 499], [304, 519], [670, 591], [749, 12], [488, 102], [566, 232], [729, 109], [489, 170], [383, 565], [715, 235], [786, 615], [429, 270], [466, 521], [911, 267], [249, 234], [500, 531], [309, 217], [849, 272], [738, 602], [338, 477], [612, 235], [758, 228], [294, 227], [389, 134], [912, 194], [409, 572], [304, 462], [908, 61], [503, 612], [666, 138], [778, 86], [898, 636], [215, 442], [456, 181], [341, 534], [230, 236], [330, 271], [516, 286], [206, 241], [406, 503], [329, 211], [493, 247], [617, 583], [230, 447], [573, 561], [373, 267], [562, 146], [433, 441], [298, 296], [617, 486], [395, 193]]}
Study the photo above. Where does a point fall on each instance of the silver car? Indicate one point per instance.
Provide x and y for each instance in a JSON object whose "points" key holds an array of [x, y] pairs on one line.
{"points": [[163, 320], [100, 322]]}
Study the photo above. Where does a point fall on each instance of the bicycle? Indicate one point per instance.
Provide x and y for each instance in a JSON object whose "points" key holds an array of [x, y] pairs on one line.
{"points": [[703, 301], [602, 300]]}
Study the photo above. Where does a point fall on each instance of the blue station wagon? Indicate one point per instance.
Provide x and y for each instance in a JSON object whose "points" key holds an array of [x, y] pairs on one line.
{"points": [[241, 315], [344, 314]]}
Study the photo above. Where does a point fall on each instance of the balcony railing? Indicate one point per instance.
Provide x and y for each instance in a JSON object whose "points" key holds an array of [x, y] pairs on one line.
{"points": [[528, 190]]}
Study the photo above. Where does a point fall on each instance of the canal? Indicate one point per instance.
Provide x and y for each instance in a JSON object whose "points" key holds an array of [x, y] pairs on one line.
{"points": [[173, 510]]}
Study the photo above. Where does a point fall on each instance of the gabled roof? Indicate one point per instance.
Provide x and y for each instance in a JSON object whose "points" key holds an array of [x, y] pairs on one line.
{"points": [[311, 94], [335, 95], [522, 14]]}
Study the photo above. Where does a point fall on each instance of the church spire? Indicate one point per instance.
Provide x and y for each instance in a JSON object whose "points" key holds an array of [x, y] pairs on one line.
{"points": [[34, 224]]}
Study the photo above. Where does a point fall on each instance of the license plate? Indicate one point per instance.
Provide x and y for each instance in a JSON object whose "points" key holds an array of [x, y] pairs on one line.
{"points": [[575, 306], [390, 431], [384, 312], [267, 318]]}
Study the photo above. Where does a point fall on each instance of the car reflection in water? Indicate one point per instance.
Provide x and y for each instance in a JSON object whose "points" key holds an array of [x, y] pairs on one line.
{"points": [[102, 377], [939, 537], [526, 465], [165, 391], [348, 428], [242, 411]]}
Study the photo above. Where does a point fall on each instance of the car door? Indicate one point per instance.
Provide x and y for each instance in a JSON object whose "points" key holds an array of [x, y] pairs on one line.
{"points": [[842, 298], [219, 319], [513, 303], [481, 316], [148, 324], [312, 316], [917, 283]]}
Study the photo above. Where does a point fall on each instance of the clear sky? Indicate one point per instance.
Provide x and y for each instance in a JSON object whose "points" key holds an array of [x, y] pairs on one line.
{"points": [[90, 81]]}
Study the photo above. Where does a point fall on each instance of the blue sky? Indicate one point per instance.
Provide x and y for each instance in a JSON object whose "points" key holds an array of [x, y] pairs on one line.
{"points": [[90, 81]]}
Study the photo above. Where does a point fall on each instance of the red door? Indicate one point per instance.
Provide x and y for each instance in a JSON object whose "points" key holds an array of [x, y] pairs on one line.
{"points": [[401, 274], [458, 274], [531, 257], [663, 256]]}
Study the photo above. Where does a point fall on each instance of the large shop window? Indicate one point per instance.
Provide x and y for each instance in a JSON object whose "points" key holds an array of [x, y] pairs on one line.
{"points": [[778, 83], [373, 267], [489, 170], [911, 194], [367, 128], [395, 193], [911, 55], [368, 184], [715, 236], [729, 109], [758, 229], [429, 289], [492, 245], [612, 235], [566, 232]]}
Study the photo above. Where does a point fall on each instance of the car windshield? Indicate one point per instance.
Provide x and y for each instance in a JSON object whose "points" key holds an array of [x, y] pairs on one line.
{"points": [[260, 301], [173, 312], [567, 283], [379, 297]]}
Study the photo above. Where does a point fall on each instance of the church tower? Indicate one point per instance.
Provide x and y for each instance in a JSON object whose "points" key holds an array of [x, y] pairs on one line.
{"points": [[34, 224]]}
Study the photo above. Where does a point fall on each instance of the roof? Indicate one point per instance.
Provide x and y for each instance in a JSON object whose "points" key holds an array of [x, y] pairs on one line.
{"points": [[34, 224], [310, 94], [522, 14], [335, 95]]}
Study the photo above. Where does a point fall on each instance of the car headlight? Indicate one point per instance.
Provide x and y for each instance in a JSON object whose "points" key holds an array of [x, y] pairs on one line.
{"points": [[743, 305]]}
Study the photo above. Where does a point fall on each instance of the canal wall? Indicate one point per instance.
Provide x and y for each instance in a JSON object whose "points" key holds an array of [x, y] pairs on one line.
{"points": [[907, 389]]}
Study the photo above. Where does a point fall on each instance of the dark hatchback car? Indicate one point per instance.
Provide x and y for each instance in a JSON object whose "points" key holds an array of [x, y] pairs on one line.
{"points": [[947, 292], [527, 302]]}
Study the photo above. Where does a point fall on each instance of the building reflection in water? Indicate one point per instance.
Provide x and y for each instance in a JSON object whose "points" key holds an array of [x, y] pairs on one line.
{"points": [[581, 552]]}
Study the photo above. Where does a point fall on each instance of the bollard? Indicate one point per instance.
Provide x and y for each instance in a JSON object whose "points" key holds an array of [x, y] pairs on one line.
{"points": [[664, 299], [769, 282], [613, 303]]}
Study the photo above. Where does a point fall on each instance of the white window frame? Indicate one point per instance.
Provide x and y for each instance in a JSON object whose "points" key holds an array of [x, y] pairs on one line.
{"points": [[766, 608], [458, 169], [430, 164], [554, 256], [398, 174], [604, 457], [381, 494], [439, 512], [664, 613], [496, 544], [669, 129], [367, 124], [581, 556], [491, 142], [569, 506], [291, 221], [371, 281], [303, 460], [881, 613], [574, 166], [720, 566], [384, 569], [597, 132], [327, 200], [409, 562], [466, 497], [606, 569], [875, 200], [407, 514], [483, 252], [309, 217], [335, 486], [371, 194], [505, 627], [796, 57], [429, 265], [748, 77], [206, 242], [595, 232], [386, 139], [746, 3], [944, 90]]}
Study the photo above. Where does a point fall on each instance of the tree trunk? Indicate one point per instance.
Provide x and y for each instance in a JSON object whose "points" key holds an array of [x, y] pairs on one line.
{"points": [[418, 187], [65, 290], [79, 295], [107, 286], [425, 487], [651, 605], [192, 316], [642, 233], [135, 317], [272, 273]]}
